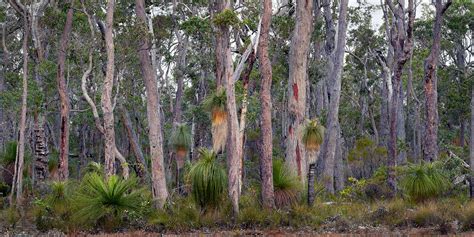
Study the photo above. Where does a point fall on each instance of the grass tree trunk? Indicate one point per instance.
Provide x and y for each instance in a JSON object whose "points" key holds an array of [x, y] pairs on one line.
{"points": [[63, 168], [266, 100], [331, 135], [20, 152], [107, 108], [159, 189], [298, 60], [430, 152]]}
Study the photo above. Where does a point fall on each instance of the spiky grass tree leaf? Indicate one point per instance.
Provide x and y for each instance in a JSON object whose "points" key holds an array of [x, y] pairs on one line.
{"points": [[313, 134], [94, 167], [424, 181], [104, 201], [286, 185], [208, 180]]}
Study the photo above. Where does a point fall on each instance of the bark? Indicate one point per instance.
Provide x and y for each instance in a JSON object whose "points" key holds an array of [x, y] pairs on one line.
{"points": [[20, 152], [471, 147], [402, 43], [430, 152], [63, 168], [109, 131], [266, 101], [331, 134], [159, 189], [401, 134], [5, 55], [297, 81], [135, 145]]}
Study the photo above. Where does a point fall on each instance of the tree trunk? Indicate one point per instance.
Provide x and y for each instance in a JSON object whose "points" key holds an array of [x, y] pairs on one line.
{"points": [[471, 146], [107, 108], [430, 151], [159, 189], [402, 43], [298, 59], [136, 148], [266, 100], [401, 134], [20, 151], [63, 168], [328, 149]]}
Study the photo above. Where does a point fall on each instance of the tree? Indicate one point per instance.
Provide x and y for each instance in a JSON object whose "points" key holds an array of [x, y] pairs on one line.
{"points": [[430, 151], [401, 38], [328, 151], [266, 117], [298, 59], [159, 189], [63, 168], [20, 152]]}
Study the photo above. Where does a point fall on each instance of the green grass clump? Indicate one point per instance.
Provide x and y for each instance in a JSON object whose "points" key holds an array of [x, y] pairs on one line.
{"points": [[286, 185], [427, 215], [107, 201], [468, 216], [208, 180], [424, 181]]}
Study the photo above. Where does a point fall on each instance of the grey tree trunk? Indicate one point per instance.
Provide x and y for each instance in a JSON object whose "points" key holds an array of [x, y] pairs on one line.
{"points": [[331, 134], [471, 146], [401, 134], [297, 81], [159, 189]]}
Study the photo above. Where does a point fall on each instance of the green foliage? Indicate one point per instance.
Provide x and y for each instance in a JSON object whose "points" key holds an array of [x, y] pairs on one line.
{"points": [[94, 167], [426, 215], [181, 138], [286, 185], [424, 181], [208, 180], [8, 156], [226, 18], [107, 201], [196, 25], [366, 157], [313, 134], [216, 100], [4, 190]]}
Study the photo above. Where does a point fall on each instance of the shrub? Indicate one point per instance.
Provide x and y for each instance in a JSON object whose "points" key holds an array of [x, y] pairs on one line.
{"points": [[468, 216], [426, 215], [423, 181], [208, 180], [286, 185], [107, 202]]}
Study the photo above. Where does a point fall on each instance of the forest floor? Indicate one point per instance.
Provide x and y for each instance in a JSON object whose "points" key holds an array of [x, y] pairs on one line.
{"points": [[361, 231]]}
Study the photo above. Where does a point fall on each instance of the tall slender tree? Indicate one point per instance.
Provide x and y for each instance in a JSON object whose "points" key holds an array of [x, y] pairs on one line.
{"points": [[63, 169], [159, 189], [430, 151], [297, 81], [107, 107], [401, 38], [333, 132], [266, 100]]}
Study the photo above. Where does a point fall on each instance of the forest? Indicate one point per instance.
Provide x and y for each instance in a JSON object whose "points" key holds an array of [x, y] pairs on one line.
{"points": [[236, 117]]}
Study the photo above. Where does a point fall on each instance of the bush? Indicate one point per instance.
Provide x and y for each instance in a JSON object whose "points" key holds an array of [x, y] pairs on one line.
{"points": [[427, 215], [286, 185], [106, 202], [424, 181], [468, 216], [208, 180]]}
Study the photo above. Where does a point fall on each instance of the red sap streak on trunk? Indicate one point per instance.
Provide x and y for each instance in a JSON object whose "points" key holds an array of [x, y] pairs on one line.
{"points": [[290, 130], [295, 91], [298, 159]]}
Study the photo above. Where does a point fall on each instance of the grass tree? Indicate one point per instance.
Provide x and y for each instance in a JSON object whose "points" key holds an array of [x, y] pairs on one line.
{"points": [[285, 184], [313, 137], [216, 103], [181, 143], [208, 180]]}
